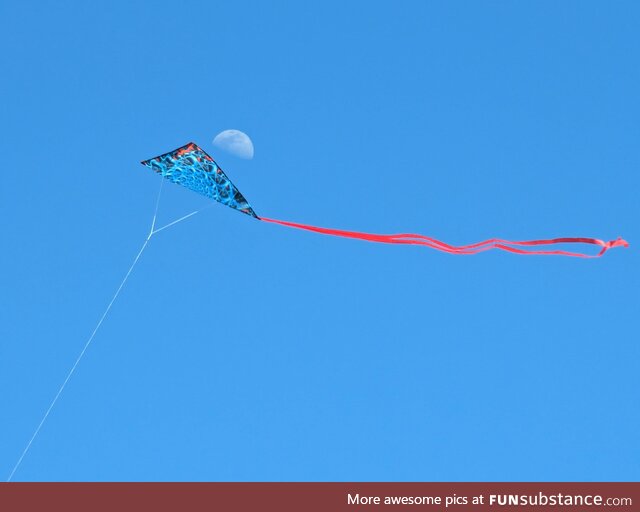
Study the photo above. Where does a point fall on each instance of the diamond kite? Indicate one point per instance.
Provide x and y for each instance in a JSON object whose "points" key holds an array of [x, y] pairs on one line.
{"points": [[191, 167]]}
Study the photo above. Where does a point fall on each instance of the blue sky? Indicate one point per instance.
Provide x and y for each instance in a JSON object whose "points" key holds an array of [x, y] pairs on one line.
{"points": [[245, 351]]}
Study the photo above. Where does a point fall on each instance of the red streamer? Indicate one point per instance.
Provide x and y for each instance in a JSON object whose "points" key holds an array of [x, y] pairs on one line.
{"points": [[516, 247]]}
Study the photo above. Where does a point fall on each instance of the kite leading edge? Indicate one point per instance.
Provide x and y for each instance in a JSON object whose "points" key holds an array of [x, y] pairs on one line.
{"points": [[191, 167]]}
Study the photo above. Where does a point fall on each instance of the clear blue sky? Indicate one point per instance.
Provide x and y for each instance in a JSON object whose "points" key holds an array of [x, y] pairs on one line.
{"points": [[245, 351]]}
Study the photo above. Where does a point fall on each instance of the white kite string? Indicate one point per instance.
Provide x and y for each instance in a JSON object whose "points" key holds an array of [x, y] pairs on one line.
{"points": [[95, 330], [155, 212], [185, 217], [174, 222], [73, 368]]}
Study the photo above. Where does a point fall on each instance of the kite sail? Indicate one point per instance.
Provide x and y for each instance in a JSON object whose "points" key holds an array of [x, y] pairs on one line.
{"points": [[192, 167]]}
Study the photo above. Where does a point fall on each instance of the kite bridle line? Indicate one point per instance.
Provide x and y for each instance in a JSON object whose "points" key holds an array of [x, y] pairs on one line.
{"points": [[152, 232], [155, 211], [184, 217]]}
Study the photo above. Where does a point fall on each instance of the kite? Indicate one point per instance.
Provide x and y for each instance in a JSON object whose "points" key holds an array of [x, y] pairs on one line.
{"points": [[192, 167]]}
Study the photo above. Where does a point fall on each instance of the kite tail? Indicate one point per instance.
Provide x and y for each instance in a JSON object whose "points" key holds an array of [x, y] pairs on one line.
{"points": [[517, 247]]}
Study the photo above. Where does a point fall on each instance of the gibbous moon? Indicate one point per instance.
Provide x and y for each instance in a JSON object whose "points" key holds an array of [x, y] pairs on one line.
{"points": [[235, 142]]}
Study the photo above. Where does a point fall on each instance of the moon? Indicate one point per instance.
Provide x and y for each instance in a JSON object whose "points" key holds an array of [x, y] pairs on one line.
{"points": [[235, 142]]}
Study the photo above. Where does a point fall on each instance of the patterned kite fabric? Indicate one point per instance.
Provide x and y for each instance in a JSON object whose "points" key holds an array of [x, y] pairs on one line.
{"points": [[193, 168]]}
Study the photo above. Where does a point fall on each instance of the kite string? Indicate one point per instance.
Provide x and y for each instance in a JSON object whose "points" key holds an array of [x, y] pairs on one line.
{"points": [[79, 358], [86, 345], [184, 217], [155, 213]]}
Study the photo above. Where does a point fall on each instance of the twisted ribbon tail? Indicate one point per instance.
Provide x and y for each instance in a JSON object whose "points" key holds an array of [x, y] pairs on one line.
{"points": [[516, 247]]}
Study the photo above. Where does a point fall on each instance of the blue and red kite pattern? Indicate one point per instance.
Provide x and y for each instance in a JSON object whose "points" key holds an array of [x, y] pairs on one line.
{"points": [[191, 167]]}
